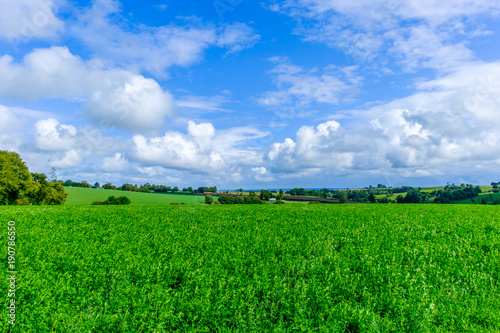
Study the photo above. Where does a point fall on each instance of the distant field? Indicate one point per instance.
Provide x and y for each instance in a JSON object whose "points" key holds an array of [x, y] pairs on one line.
{"points": [[256, 268], [85, 196], [478, 200]]}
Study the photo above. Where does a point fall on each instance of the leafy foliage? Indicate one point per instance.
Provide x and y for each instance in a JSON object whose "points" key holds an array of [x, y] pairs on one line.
{"points": [[268, 268], [19, 187], [112, 200]]}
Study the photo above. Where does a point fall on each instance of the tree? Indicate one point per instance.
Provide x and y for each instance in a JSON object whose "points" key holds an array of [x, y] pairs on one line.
{"points": [[85, 184], [18, 186], [97, 185], [112, 200], [46, 193], [209, 199], [15, 179], [372, 198], [109, 186], [175, 189], [342, 195], [265, 195], [53, 174]]}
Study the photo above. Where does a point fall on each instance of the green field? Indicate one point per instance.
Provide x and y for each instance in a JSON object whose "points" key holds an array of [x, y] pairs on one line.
{"points": [[256, 268], [85, 196], [490, 197]]}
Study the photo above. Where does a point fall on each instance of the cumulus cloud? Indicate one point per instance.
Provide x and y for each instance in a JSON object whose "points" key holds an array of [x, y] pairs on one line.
{"points": [[28, 19], [300, 87], [202, 149], [428, 33], [262, 175], [450, 121], [51, 135], [155, 48], [114, 97], [67, 146], [116, 163], [8, 120]]}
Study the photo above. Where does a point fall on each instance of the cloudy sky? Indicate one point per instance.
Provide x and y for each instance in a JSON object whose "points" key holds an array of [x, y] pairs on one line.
{"points": [[253, 94]]}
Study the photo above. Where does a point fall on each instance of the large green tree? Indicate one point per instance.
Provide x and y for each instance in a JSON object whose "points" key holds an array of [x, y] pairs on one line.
{"points": [[15, 179], [18, 186]]}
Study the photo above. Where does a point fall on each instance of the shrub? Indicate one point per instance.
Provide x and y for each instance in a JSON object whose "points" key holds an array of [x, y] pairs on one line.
{"points": [[112, 200], [209, 199]]}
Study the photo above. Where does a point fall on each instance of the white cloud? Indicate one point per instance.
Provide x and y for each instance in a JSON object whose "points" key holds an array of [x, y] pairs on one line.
{"points": [[424, 33], [139, 104], [201, 103], [70, 159], [237, 37], [68, 146], [262, 175], [202, 150], [27, 19], [114, 97], [300, 87], [50, 135], [155, 48], [116, 163], [451, 121], [8, 120]]}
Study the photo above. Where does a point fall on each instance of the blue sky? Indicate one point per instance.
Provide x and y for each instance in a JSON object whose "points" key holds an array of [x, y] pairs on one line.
{"points": [[238, 93]]}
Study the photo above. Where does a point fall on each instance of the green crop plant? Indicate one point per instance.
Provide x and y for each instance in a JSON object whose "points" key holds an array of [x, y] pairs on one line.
{"points": [[257, 268]]}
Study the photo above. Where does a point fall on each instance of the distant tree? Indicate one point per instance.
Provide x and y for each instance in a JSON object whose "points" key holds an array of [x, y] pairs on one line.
{"points": [[97, 185], [240, 190], [144, 189], [129, 187], [280, 195], [175, 189], [372, 198], [85, 184], [209, 199], [384, 200], [342, 196], [190, 189], [108, 186], [112, 200], [265, 195], [53, 174]]}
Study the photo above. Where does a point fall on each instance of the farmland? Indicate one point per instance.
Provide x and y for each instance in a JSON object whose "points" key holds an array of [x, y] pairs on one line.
{"points": [[85, 196], [262, 268]]}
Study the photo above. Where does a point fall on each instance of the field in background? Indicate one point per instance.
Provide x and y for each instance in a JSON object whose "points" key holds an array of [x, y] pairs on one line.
{"points": [[287, 268], [85, 196], [489, 197]]}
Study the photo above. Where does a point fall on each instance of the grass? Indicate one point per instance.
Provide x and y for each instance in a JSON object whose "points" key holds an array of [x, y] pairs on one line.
{"points": [[85, 196], [478, 199], [256, 268]]}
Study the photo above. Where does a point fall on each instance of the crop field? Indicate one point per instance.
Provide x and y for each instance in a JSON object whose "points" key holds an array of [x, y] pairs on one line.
{"points": [[85, 196], [256, 268]]}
